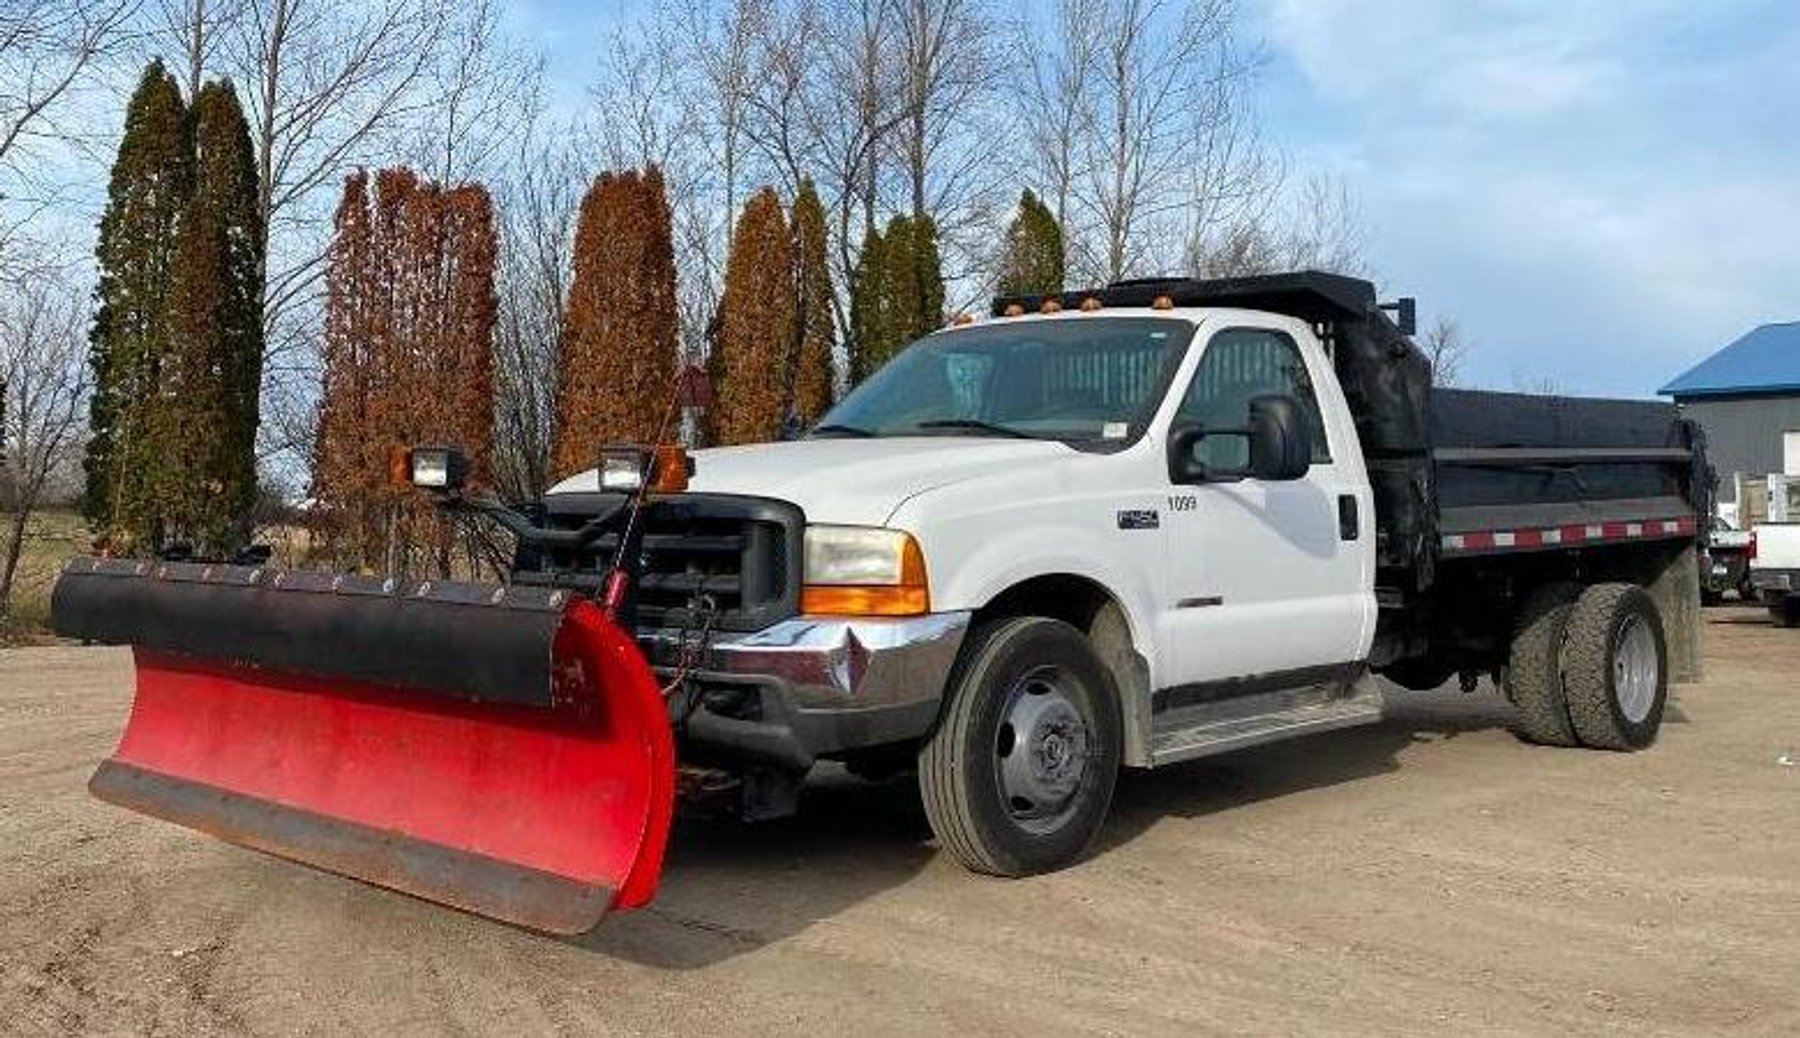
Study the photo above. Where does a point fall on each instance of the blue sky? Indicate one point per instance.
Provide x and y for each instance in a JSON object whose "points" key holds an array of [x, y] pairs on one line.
{"points": [[1600, 192]]}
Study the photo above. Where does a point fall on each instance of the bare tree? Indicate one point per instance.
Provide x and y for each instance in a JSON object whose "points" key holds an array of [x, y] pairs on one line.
{"points": [[775, 123], [539, 205], [949, 66], [43, 362], [1171, 139], [722, 45], [1317, 226], [1055, 96], [851, 110], [194, 29], [652, 118], [322, 82], [49, 50], [1447, 348], [945, 69], [481, 87], [46, 46]]}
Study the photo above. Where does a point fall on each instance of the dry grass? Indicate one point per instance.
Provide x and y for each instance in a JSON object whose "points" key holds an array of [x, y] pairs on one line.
{"points": [[50, 538]]}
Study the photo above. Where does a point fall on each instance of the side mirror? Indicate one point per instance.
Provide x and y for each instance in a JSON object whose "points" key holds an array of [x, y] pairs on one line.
{"points": [[1278, 439]]}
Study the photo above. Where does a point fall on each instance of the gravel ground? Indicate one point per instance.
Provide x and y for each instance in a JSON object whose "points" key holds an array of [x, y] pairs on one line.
{"points": [[1427, 874]]}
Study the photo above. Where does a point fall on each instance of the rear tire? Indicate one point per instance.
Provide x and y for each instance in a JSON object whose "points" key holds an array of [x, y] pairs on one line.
{"points": [[1534, 679], [1018, 777], [1785, 613], [1615, 668]]}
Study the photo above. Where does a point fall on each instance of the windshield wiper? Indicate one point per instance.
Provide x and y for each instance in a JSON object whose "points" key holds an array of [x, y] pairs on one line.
{"points": [[974, 424], [840, 430]]}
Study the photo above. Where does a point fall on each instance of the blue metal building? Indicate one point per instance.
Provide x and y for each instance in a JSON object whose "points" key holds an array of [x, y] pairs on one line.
{"points": [[1747, 397]]}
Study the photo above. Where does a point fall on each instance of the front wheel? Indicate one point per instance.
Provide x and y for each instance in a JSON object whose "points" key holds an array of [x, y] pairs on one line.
{"points": [[1019, 774]]}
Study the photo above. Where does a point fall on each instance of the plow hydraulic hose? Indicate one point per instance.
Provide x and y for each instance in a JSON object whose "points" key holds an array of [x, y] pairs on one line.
{"points": [[502, 749]]}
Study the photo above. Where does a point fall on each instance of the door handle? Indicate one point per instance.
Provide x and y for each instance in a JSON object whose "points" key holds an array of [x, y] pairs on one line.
{"points": [[1348, 525]]}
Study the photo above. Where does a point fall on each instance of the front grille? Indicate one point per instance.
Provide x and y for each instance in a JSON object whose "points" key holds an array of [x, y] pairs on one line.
{"points": [[738, 555]]}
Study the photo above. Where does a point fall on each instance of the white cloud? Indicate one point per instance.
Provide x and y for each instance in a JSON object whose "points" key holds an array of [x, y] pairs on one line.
{"points": [[1602, 192]]}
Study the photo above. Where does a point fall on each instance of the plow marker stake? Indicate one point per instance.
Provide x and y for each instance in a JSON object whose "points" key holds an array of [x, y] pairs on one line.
{"points": [[544, 806]]}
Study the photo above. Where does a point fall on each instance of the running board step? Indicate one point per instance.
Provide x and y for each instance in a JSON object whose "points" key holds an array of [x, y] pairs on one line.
{"points": [[1363, 706]]}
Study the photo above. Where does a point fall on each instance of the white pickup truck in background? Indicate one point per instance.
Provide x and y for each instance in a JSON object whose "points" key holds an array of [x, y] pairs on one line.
{"points": [[1775, 553]]}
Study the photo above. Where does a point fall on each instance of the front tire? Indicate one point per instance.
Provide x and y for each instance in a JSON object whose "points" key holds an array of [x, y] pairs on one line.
{"points": [[1018, 777], [1615, 668]]}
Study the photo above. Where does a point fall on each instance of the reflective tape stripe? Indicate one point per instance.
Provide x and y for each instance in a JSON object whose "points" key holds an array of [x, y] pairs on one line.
{"points": [[1479, 540]]}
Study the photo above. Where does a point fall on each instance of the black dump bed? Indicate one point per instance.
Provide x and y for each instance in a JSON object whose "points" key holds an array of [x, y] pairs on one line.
{"points": [[1460, 473]]}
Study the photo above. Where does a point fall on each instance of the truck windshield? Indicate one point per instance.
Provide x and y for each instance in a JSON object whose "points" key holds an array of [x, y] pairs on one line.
{"points": [[1081, 379]]}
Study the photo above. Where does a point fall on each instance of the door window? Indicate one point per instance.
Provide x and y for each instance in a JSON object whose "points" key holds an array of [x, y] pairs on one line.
{"points": [[1239, 365]]}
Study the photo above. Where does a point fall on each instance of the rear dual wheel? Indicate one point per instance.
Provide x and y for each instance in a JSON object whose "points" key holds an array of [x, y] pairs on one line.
{"points": [[1615, 668], [1589, 667], [1019, 774]]}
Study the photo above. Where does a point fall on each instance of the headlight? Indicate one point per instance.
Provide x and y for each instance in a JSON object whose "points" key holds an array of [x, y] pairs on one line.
{"points": [[863, 571]]}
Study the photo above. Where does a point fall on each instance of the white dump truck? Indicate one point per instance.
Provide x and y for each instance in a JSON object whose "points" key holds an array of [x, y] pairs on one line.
{"points": [[1124, 527]]}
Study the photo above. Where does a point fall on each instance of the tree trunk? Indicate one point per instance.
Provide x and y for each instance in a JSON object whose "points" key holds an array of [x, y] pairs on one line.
{"points": [[15, 547]]}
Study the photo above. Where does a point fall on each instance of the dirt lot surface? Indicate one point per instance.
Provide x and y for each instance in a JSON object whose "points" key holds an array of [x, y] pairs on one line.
{"points": [[1429, 874]]}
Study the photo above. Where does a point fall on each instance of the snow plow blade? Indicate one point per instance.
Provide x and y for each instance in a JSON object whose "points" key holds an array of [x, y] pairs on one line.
{"points": [[501, 749]]}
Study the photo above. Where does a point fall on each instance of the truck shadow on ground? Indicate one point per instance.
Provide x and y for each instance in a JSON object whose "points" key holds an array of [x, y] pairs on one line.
{"points": [[1214, 785], [730, 889]]}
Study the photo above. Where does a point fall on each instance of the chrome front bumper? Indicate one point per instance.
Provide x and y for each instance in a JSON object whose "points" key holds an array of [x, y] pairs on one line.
{"points": [[810, 687], [841, 663]]}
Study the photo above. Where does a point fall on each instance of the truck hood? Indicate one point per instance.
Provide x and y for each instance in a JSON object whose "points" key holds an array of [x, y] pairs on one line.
{"points": [[850, 481]]}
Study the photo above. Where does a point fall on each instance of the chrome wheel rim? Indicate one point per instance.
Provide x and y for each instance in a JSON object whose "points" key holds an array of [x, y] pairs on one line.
{"points": [[1041, 751], [1635, 674]]}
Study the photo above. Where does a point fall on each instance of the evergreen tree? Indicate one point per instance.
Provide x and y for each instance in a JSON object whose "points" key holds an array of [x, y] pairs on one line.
{"points": [[812, 376], [868, 306], [150, 187], [915, 279], [215, 304], [616, 369], [757, 315], [927, 278], [897, 294], [1031, 261]]}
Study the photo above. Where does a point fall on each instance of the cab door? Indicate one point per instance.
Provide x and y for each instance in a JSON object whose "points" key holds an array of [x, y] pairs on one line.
{"points": [[1270, 583]]}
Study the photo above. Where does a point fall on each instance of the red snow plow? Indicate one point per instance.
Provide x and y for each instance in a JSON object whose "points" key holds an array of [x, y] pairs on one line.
{"points": [[503, 749]]}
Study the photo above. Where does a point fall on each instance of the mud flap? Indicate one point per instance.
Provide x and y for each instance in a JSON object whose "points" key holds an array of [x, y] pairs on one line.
{"points": [[502, 750]]}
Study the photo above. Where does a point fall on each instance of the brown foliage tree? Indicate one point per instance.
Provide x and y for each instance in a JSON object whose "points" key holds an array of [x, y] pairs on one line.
{"points": [[408, 360], [812, 370], [615, 374], [756, 327]]}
